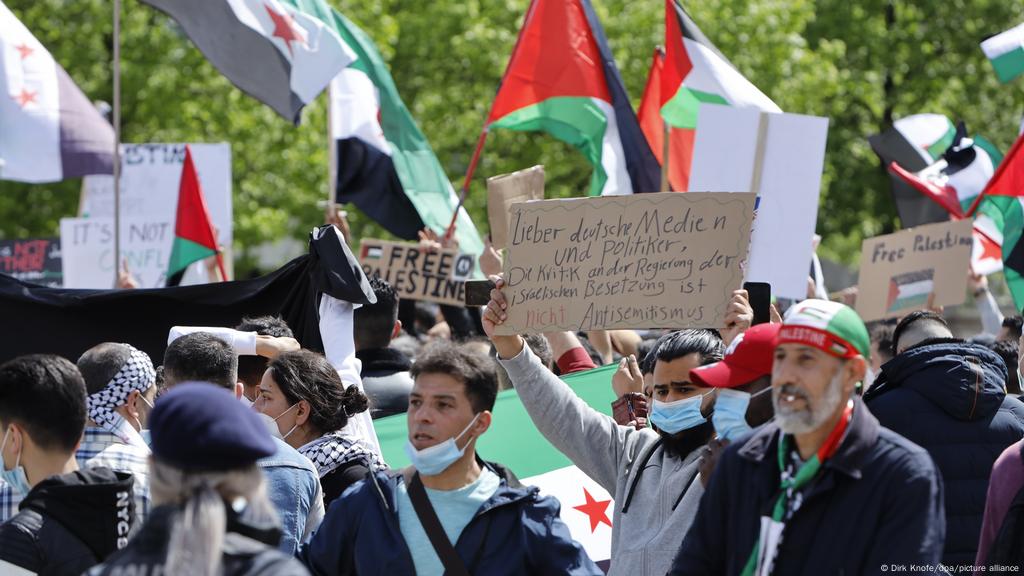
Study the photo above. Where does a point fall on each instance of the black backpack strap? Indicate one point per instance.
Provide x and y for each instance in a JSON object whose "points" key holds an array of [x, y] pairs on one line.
{"points": [[453, 564]]}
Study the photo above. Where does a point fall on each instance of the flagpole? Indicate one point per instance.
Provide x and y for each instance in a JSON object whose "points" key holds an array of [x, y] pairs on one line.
{"points": [[332, 155], [465, 182], [117, 141], [664, 155]]}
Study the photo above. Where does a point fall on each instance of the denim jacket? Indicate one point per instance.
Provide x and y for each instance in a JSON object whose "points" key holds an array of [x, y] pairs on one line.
{"points": [[294, 488]]}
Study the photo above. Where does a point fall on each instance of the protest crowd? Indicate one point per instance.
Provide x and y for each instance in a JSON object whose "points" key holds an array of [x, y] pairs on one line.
{"points": [[630, 383]]}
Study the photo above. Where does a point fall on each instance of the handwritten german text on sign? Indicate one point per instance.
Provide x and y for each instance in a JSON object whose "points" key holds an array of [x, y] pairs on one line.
{"points": [[898, 272], [665, 260], [416, 273]]}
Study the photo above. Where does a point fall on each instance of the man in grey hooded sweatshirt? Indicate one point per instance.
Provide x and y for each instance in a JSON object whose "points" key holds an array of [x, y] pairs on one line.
{"points": [[653, 474]]}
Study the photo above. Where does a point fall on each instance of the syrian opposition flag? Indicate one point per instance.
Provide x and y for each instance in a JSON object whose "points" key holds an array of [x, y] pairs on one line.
{"points": [[1006, 52], [515, 442], [562, 79], [695, 72], [386, 167], [281, 56], [194, 237], [49, 130]]}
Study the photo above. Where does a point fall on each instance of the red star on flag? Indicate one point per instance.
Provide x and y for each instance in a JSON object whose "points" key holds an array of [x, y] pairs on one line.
{"points": [[25, 50], [25, 97], [285, 29], [596, 510], [989, 249]]}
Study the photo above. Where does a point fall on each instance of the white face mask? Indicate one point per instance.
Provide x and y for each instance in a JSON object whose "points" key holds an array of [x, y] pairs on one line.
{"points": [[435, 459], [271, 423]]}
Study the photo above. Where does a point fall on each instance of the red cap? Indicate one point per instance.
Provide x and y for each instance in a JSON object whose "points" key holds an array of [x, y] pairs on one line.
{"points": [[749, 357]]}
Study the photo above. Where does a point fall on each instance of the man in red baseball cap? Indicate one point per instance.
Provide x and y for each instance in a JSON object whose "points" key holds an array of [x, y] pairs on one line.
{"points": [[743, 382]]}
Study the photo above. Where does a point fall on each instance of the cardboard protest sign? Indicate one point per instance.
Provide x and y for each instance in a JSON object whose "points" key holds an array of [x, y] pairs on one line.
{"points": [[780, 157], [416, 273], [88, 248], [664, 260], [36, 260], [505, 190], [150, 179], [898, 272]]}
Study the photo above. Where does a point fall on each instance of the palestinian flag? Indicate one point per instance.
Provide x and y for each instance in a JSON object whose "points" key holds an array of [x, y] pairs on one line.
{"points": [[1002, 201], [49, 130], [959, 175], [194, 237], [680, 140], [386, 167], [514, 441], [562, 79], [914, 142], [281, 56], [695, 72], [1006, 52], [910, 290]]}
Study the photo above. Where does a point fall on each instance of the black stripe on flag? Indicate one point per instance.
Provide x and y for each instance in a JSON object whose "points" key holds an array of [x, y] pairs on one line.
{"points": [[367, 178], [914, 208]]}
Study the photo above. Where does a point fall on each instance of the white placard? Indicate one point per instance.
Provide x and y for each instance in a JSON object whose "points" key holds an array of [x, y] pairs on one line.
{"points": [[725, 149], [150, 178]]}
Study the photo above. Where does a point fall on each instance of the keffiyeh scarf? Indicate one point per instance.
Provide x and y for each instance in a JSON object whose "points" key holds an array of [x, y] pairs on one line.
{"points": [[330, 451], [136, 374]]}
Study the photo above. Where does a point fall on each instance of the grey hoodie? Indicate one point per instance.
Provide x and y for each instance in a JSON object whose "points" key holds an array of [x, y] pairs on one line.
{"points": [[647, 535]]}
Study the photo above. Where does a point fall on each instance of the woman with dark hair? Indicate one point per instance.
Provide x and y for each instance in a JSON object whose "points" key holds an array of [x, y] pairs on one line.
{"points": [[305, 403]]}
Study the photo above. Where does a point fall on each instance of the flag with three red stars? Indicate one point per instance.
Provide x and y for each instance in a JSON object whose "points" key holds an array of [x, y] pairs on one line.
{"points": [[49, 130], [282, 56], [514, 441]]}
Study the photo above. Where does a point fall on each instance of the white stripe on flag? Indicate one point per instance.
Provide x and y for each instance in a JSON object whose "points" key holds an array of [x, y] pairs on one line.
{"points": [[355, 107], [315, 52], [712, 75], [1004, 42], [29, 106], [613, 157], [923, 130], [571, 486]]}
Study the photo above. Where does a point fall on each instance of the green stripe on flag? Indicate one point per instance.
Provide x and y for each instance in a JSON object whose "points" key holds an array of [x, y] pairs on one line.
{"points": [[938, 148], [512, 439], [681, 110], [578, 121], [185, 252], [1009, 65]]}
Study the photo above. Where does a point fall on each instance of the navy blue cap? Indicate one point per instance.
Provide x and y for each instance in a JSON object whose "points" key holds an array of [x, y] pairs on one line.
{"points": [[199, 426]]}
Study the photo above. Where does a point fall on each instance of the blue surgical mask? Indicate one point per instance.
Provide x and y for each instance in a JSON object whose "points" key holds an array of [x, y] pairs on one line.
{"points": [[674, 417], [146, 436], [435, 459], [730, 416], [15, 477]]}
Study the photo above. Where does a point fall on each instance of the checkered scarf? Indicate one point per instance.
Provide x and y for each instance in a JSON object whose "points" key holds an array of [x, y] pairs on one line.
{"points": [[136, 374], [330, 451]]}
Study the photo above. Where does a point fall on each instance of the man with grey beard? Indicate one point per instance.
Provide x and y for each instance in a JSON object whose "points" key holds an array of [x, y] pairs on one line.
{"points": [[823, 489]]}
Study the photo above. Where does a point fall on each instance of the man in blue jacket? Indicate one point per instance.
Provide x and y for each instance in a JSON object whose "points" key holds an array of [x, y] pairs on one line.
{"points": [[947, 396], [448, 513], [823, 489]]}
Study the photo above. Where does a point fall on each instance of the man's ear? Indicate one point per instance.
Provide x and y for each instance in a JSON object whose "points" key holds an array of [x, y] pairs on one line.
{"points": [[239, 390], [131, 403], [397, 329], [483, 423], [856, 369]]}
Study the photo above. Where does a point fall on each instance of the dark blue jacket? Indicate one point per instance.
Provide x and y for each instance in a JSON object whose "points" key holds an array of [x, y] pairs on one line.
{"points": [[517, 531], [949, 399], [877, 501]]}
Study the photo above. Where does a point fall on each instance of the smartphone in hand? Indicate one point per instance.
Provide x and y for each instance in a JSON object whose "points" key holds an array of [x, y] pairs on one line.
{"points": [[760, 297]]}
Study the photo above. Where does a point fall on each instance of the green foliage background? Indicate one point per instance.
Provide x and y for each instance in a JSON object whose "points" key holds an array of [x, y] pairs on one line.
{"points": [[862, 63]]}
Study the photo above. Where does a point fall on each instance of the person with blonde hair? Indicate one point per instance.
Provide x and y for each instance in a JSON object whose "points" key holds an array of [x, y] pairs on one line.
{"points": [[211, 515]]}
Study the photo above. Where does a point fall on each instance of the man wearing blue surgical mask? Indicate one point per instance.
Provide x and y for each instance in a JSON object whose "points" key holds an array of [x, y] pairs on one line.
{"points": [[652, 473], [742, 384], [450, 512]]}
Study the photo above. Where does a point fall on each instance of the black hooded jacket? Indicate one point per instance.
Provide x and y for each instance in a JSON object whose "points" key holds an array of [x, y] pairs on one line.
{"points": [[69, 523], [249, 549], [949, 398]]}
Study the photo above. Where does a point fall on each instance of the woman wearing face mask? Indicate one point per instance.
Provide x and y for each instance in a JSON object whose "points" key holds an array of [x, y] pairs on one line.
{"points": [[305, 403]]}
